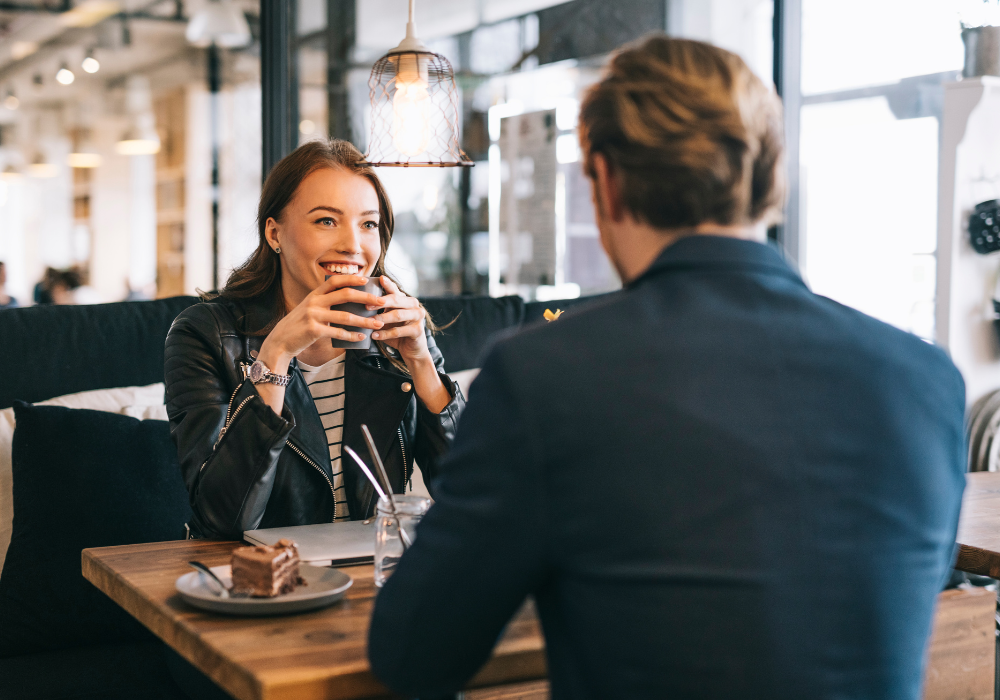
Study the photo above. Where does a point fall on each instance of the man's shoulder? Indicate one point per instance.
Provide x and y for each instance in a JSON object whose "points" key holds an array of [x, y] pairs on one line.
{"points": [[877, 340]]}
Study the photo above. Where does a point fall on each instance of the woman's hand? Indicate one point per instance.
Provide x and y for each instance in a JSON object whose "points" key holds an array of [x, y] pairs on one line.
{"points": [[404, 330], [403, 317], [310, 321]]}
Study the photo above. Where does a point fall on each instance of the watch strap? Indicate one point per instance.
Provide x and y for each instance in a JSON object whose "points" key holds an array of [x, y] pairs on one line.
{"points": [[258, 373]]}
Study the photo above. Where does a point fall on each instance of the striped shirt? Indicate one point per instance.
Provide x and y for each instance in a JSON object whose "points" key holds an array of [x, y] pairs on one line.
{"points": [[326, 384]]}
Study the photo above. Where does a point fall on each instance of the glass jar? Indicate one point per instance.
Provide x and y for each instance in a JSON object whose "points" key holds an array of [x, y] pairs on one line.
{"points": [[388, 545]]}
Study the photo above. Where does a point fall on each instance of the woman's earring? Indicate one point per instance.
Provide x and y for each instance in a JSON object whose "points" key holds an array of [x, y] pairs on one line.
{"points": [[278, 250]]}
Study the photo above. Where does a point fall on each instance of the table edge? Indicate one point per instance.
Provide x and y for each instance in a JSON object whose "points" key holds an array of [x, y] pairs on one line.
{"points": [[975, 560]]}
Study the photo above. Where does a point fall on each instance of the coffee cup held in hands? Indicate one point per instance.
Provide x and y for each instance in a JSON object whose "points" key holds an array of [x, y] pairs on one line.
{"points": [[372, 287]]}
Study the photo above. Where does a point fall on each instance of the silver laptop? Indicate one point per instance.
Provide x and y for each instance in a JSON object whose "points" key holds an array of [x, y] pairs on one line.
{"points": [[340, 544]]}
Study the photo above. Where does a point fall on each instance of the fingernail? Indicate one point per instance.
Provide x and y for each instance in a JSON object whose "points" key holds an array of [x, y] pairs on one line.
{"points": [[379, 323], [375, 335], [361, 336]]}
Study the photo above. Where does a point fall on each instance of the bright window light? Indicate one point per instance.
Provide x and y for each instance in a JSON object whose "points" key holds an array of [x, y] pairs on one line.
{"points": [[857, 43], [567, 149], [869, 224]]}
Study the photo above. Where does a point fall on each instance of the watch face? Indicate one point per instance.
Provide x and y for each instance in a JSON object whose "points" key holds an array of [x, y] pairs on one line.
{"points": [[256, 372]]}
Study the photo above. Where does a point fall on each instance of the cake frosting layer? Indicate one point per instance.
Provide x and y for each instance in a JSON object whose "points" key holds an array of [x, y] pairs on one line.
{"points": [[266, 571]]}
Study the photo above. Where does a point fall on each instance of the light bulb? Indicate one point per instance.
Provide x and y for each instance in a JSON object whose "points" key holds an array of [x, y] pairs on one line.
{"points": [[91, 64], [411, 114], [11, 102], [65, 76]]}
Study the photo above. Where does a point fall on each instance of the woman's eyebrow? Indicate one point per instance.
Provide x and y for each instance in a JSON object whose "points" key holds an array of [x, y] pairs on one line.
{"points": [[334, 210]]}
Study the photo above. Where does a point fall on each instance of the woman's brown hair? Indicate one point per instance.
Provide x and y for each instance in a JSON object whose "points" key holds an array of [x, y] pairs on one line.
{"points": [[259, 278], [692, 134]]}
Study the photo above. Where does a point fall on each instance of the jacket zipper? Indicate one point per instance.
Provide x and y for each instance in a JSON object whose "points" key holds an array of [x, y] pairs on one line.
{"points": [[322, 473], [229, 422], [406, 470], [229, 411]]}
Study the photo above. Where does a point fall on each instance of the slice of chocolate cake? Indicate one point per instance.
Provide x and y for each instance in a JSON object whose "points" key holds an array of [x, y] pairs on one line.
{"points": [[264, 572]]}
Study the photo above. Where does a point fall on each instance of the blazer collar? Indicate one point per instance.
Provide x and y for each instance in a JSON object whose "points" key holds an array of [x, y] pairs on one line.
{"points": [[708, 251]]}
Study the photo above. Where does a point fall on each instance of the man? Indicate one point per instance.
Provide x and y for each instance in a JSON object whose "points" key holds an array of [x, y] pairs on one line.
{"points": [[715, 484], [6, 300]]}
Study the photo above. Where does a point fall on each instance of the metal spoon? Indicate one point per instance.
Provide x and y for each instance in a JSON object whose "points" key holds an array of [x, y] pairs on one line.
{"points": [[366, 470], [407, 542], [378, 489], [198, 566]]}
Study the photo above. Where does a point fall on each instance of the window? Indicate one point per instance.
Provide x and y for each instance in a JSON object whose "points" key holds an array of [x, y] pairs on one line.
{"points": [[872, 75]]}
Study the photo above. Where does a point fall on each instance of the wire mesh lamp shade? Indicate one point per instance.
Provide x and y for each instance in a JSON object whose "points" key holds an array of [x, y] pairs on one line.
{"points": [[414, 103]]}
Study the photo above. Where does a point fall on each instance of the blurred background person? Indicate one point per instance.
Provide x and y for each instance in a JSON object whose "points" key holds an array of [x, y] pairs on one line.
{"points": [[64, 287]]}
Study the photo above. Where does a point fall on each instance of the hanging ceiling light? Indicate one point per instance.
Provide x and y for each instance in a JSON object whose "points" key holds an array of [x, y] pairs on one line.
{"points": [[10, 101], [414, 107], [64, 76], [89, 63], [11, 173], [139, 139], [83, 160], [41, 167], [219, 22], [84, 154]]}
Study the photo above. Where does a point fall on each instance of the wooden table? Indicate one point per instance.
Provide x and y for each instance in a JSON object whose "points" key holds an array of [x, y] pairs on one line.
{"points": [[979, 525], [309, 656]]}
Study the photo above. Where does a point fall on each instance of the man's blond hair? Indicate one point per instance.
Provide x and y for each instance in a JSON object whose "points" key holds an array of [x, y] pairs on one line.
{"points": [[692, 135]]}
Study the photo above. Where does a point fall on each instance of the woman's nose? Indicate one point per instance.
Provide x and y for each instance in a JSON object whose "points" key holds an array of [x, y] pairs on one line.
{"points": [[349, 241]]}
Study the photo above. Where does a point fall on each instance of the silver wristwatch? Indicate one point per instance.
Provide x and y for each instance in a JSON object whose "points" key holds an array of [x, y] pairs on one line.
{"points": [[258, 373]]}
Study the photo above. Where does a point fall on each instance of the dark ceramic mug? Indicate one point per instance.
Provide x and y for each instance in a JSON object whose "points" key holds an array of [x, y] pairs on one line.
{"points": [[358, 310]]}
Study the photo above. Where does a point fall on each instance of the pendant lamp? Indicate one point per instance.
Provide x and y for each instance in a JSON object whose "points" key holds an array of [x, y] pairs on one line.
{"points": [[83, 155], [40, 167], [414, 108]]}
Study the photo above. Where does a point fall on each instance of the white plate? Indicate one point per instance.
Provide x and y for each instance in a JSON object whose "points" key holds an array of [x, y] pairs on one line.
{"points": [[325, 587]]}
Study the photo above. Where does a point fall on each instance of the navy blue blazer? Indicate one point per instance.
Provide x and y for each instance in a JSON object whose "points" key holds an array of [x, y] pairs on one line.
{"points": [[715, 484]]}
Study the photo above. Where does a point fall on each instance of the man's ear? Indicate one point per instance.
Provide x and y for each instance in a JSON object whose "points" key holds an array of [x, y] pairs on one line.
{"points": [[606, 189]]}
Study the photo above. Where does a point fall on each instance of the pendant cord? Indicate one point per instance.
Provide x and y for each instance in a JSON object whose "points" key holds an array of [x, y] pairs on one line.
{"points": [[412, 3]]}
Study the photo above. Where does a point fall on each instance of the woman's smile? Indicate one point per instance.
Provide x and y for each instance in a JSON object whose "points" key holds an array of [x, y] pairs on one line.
{"points": [[341, 268]]}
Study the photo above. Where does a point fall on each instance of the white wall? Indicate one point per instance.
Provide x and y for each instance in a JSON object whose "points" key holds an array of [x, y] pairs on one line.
{"points": [[240, 175], [142, 225], [197, 193], [123, 217], [966, 282]]}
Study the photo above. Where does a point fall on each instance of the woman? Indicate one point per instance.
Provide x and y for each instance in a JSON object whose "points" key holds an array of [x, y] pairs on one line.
{"points": [[259, 401]]}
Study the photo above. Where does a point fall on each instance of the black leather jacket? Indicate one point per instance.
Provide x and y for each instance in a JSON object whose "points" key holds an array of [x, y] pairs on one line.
{"points": [[245, 467]]}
